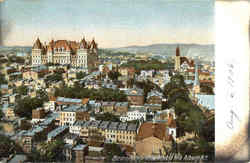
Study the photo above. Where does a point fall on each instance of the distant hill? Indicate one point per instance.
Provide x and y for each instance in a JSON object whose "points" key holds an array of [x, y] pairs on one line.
{"points": [[14, 49], [189, 50]]}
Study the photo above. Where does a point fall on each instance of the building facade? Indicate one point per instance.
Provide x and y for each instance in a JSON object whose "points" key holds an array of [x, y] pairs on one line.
{"points": [[81, 54]]}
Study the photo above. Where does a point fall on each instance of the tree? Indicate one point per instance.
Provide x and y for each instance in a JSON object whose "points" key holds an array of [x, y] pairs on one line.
{"points": [[24, 106], [7, 146], [25, 125], [147, 86], [49, 152], [1, 114], [41, 94], [111, 150], [22, 90], [80, 75], [113, 75], [54, 77], [2, 79]]}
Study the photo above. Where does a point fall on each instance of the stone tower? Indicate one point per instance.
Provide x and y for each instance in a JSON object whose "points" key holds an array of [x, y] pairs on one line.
{"points": [[177, 60]]}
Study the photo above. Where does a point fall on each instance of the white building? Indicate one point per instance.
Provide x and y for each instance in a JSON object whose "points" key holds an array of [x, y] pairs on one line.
{"points": [[76, 127], [134, 115], [77, 54]]}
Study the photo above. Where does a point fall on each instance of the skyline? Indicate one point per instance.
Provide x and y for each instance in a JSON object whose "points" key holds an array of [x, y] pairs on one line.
{"points": [[112, 23]]}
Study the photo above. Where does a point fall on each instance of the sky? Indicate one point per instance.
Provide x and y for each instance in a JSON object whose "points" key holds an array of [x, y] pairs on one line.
{"points": [[112, 23]]}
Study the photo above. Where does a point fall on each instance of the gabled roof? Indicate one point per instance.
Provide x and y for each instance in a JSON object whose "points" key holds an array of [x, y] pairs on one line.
{"points": [[149, 129]]}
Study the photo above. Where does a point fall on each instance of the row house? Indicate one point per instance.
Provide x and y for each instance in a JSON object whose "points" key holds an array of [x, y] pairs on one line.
{"points": [[154, 97], [153, 107], [135, 96], [58, 132], [108, 107], [105, 131], [121, 107], [70, 114], [134, 114], [35, 73], [38, 115]]}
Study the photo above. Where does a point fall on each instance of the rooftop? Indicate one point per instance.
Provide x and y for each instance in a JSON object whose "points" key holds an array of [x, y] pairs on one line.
{"points": [[104, 124], [113, 125], [132, 127], [122, 126], [95, 123], [80, 147], [69, 100], [206, 101], [57, 131]]}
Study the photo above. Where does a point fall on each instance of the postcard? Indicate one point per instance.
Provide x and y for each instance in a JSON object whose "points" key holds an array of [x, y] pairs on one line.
{"points": [[122, 80]]}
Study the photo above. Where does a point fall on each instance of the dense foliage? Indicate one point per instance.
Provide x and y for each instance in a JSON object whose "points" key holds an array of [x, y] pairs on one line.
{"points": [[114, 54], [16, 59], [48, 152], [2, 79], [111, 150], [24, 106], [104, 94], [147, 65], [7, 146], [114, 75], [190, 117], [80, 75], [54, 77], [22, 90]]}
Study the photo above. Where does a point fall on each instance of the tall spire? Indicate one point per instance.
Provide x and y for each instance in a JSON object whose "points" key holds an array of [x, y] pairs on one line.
{"points": [[196, 80], [178, 51]]}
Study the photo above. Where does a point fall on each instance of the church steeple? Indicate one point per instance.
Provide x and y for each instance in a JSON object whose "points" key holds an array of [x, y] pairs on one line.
{"points": [[177, 59], [196, 76], [196, 85], [177, 53]]}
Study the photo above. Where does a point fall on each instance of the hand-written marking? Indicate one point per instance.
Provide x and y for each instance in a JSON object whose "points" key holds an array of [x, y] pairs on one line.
{"points": [[230, 123], [231, 96]]}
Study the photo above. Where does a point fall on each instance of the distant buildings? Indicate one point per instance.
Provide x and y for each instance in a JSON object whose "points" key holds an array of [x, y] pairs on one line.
{"points": [[81, 54]]}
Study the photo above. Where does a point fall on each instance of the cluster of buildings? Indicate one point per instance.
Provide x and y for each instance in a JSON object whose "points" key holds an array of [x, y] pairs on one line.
{"points": [[145, 128]]}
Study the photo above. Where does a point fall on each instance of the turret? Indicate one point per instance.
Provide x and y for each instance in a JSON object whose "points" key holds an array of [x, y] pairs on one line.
{"points": [[37, 44]]}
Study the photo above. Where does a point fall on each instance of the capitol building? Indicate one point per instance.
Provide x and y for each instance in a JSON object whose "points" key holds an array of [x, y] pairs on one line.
{"points": [[81, 54]]}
